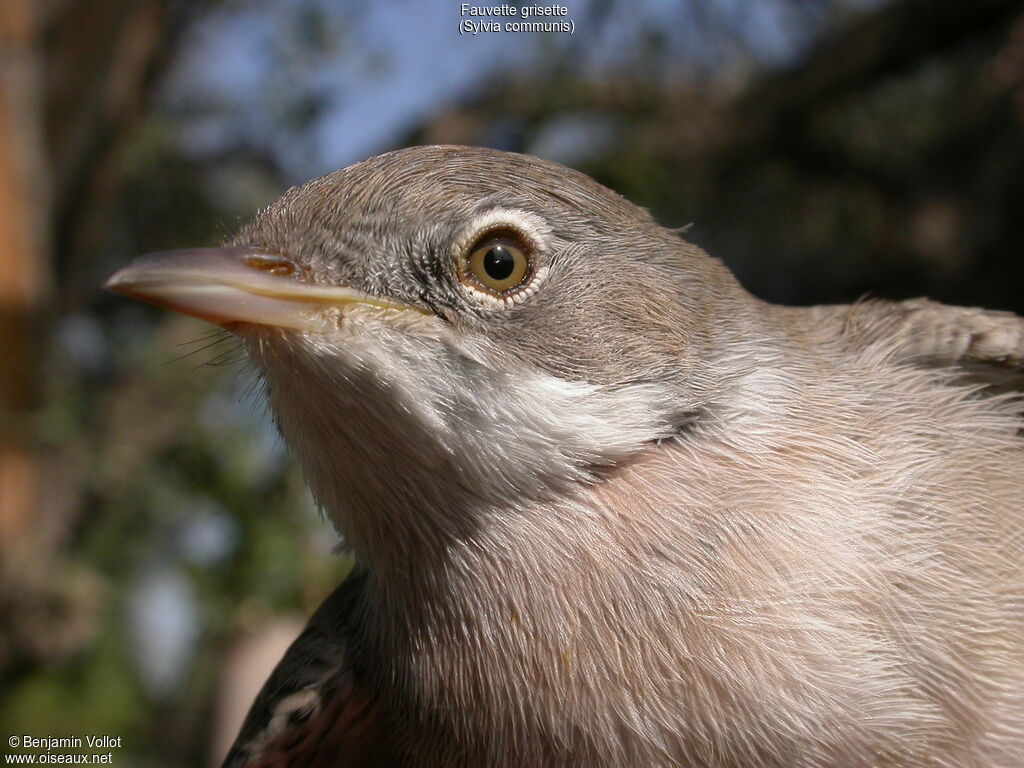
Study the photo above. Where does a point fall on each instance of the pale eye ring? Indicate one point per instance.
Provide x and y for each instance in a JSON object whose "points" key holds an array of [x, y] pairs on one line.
{"points": [[498, 260]]}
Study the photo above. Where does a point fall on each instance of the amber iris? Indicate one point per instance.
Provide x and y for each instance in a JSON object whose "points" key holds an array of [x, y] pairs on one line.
{"points": [[498, 264]]}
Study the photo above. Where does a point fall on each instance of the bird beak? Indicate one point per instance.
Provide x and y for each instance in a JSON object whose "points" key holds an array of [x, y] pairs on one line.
{"points": [[236, 285]]}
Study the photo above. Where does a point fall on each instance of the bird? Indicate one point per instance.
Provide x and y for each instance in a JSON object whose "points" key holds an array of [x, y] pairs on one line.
{"points": [[607, 507]]}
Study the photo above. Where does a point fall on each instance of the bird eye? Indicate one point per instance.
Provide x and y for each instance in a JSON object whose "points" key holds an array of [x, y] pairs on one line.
{"points": [[498, 264], [499, 258]]}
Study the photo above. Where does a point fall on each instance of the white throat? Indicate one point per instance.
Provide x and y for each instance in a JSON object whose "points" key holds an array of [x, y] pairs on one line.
{"points": [[409, 442]]}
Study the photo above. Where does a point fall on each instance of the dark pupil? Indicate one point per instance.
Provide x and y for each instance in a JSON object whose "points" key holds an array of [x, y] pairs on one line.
{"points": [[499, 263]]}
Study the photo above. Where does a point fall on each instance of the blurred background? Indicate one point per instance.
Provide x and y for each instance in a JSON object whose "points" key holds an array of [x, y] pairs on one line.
{"points": [[157, 545]]}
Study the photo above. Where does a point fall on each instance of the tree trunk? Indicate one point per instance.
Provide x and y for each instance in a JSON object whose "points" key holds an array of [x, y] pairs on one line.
{"points": [[24, 265]]}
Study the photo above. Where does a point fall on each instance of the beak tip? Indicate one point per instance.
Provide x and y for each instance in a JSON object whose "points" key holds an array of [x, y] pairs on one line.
{"points": [[113, 283], [121, 281]]}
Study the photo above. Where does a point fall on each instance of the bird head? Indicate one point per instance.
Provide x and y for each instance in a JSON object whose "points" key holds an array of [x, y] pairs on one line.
{"points": [[449, 333]]}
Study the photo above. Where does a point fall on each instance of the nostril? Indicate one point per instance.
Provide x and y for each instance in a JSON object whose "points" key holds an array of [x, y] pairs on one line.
{"points": [[275, 265]]}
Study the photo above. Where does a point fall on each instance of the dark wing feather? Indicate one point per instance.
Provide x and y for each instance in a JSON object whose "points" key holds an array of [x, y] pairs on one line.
{"points": [[313, 711]]}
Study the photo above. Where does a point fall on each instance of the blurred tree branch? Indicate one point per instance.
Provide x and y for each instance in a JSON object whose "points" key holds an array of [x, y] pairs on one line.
{"points": [[104, 61], [883, 44]]}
